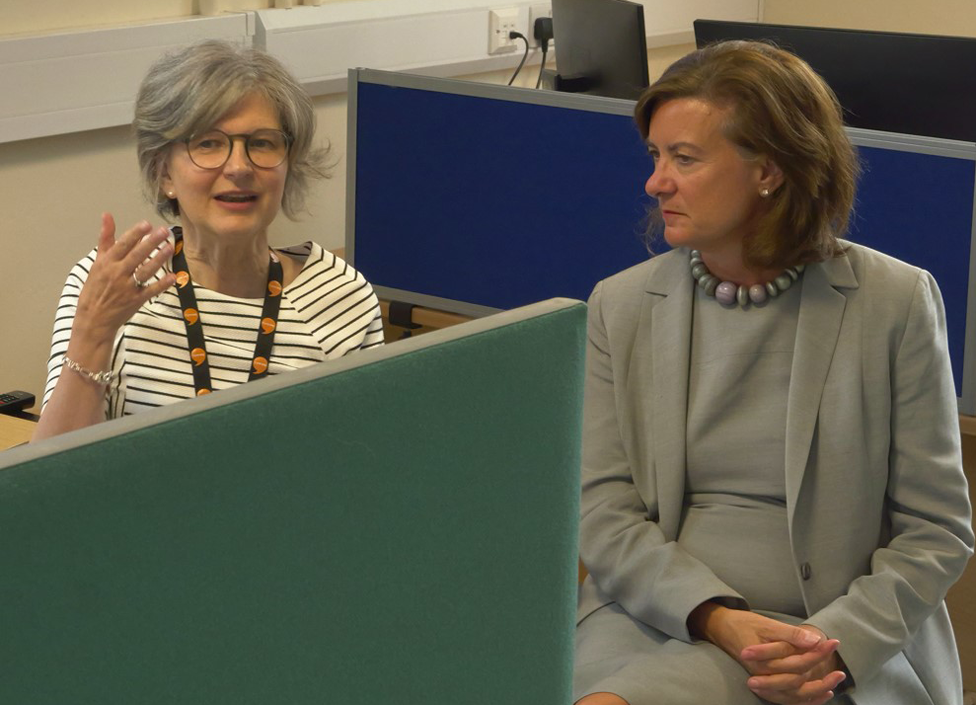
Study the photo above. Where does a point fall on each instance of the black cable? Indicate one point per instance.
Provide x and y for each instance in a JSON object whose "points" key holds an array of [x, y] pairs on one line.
{"points": [[519, 35], [542, 68]]}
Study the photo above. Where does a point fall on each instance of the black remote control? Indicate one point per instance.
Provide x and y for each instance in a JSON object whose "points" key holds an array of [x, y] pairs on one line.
{"points": [[11, 402]]}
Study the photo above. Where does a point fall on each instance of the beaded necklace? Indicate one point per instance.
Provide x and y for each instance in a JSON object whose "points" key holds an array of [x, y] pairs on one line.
{"points": [[730, 293]]}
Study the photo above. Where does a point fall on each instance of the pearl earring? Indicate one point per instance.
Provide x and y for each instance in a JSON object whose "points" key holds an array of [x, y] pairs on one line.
{"points": [[764, 192], [171, 194]]}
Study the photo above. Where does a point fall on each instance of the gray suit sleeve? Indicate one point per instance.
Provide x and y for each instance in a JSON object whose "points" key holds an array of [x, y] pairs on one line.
{"points": [[622, 546], [927, 499]]}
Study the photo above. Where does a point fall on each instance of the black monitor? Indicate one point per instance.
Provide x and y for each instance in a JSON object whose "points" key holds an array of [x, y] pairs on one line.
{"points": [[601, 47], [915, 84]]}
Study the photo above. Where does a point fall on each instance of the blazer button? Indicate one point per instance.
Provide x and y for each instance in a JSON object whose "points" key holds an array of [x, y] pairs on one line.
{"points": [[805, 571]]}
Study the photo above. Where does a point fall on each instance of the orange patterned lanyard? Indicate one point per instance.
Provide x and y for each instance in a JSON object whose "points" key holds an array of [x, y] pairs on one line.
{"points": [[194, 327]]}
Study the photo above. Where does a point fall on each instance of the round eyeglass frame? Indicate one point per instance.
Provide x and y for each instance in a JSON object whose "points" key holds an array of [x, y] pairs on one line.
{"points": [[246, 137]]}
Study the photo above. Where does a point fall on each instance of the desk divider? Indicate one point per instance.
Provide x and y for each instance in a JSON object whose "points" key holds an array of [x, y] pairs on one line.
{"points": [[399, 526], [505, 195]]}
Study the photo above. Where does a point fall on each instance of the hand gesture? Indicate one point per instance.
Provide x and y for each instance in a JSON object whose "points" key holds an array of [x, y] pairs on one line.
{"points": [[115, 288]]}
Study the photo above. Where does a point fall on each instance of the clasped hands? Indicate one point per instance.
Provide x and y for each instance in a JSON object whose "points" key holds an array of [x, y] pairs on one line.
{"points": [[787, 664]]}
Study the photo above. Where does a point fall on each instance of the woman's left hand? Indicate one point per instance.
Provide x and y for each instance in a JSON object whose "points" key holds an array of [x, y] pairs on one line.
{"points": [[786, 675]]}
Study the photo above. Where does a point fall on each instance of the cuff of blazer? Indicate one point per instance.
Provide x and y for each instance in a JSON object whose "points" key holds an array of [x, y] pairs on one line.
{"points": [[671, 619]]}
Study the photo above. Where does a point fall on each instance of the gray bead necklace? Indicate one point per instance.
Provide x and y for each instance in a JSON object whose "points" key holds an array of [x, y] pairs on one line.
{"points": [[729, 293]]}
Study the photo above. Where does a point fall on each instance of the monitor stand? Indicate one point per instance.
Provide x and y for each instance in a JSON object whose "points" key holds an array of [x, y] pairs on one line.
{"points": [[571, 84]]}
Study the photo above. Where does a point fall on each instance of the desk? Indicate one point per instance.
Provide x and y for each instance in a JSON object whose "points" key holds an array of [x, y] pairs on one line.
{"points": [[962, 597], [427, 319], [14, 431]]}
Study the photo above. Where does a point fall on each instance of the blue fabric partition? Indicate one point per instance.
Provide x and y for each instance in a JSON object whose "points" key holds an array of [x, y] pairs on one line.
{"points": [[395, 527], [473, 198]]}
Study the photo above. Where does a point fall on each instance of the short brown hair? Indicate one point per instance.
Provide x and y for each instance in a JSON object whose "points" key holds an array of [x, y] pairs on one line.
{"points": [[778, 107], [188, 90]]}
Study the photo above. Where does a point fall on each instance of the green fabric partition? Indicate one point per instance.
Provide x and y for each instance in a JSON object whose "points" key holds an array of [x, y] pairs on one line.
{"points": [[399, 526]]}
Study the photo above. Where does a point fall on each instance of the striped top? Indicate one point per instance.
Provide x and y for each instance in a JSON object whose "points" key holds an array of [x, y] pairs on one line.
{"points": [[327, 311]]}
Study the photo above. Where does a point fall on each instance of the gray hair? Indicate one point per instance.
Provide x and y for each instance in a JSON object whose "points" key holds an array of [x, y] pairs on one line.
{"points": [[188, 90]]}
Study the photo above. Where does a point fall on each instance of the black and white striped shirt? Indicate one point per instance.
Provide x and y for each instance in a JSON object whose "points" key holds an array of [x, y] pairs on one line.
{"points": [[327, 311]]}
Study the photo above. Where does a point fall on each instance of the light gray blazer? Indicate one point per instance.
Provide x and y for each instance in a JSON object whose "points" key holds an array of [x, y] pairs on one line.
{"points": [[879, 515]]}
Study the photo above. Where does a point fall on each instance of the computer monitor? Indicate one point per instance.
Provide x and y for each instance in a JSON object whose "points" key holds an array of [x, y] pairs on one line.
{"points": [[601, 47], [914, 84]]}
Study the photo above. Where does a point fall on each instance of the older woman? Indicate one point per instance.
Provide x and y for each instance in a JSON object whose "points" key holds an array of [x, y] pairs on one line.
{"points": [[773, 499], [162, 314]]}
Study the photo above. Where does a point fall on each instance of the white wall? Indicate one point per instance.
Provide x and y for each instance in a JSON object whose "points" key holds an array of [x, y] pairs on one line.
{"points": [[950, 17], [33, 16]]}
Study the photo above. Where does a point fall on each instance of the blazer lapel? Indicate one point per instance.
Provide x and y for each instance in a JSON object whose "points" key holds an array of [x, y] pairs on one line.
{"points": [[817, 329], [659, 381]]}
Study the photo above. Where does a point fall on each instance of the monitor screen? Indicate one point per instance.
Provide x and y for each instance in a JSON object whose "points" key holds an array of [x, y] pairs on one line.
{"points": [[601, 47], [913, 84]]}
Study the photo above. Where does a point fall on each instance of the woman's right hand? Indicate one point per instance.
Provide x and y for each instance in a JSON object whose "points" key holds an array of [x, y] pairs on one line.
{"points": [[111, 296]]}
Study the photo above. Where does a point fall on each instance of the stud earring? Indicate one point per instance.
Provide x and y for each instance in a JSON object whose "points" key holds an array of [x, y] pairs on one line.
{"points": [[764, 192], [171, 194]]}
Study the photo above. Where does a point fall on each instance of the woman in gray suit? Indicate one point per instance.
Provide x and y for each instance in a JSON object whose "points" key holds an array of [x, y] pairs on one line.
{"points": [[773, 497]]}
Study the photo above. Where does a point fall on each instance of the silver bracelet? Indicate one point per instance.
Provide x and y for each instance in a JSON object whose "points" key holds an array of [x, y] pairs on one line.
{"points": [[102, 378]]}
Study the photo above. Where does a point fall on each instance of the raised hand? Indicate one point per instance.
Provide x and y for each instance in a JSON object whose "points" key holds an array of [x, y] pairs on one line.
{"points": [[112, 292], [115, 289]]}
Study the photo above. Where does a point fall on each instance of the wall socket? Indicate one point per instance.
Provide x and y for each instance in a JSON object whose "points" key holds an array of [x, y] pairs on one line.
{"points": [[500, 23]]}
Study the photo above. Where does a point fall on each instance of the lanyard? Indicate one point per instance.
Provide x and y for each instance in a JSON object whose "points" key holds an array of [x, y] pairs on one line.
{"points": [[194, 327]]}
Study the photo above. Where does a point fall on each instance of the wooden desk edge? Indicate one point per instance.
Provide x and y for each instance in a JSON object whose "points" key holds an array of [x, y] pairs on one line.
{"points": [[428, 317], [967, 424], [14, 431]]}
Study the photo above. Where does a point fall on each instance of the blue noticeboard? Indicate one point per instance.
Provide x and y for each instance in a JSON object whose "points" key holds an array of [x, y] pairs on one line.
{"points": [[477, 204], [919, 208], [473, 198]]}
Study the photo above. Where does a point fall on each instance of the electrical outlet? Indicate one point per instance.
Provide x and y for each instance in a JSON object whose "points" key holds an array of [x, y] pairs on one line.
{"points": [[500, 23], [539, 10]]}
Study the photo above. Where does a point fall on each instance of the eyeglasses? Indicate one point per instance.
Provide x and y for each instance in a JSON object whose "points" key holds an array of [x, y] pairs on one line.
{"points": [[265, 148]]}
